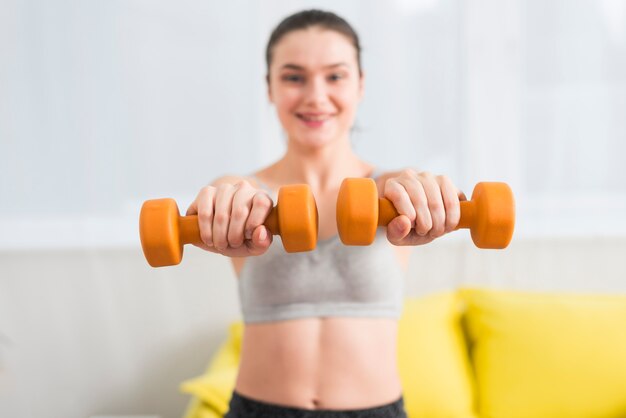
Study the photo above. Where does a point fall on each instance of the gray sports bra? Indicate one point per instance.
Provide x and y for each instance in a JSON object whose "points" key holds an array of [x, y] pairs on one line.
{"points": [[332, 280]]}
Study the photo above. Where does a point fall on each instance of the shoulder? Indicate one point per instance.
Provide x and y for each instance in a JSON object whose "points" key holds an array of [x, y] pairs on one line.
{"points": [[233, 180]]}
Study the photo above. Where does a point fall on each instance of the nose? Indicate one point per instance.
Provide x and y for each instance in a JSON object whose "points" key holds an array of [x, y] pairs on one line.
{"points": [[316, 92]]}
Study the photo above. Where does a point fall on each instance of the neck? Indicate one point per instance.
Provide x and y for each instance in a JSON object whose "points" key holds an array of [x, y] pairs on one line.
{"points": [[323, 168]]}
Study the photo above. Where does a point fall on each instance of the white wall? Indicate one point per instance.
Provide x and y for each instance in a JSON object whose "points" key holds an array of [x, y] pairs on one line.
{"points": [[106, 104]]}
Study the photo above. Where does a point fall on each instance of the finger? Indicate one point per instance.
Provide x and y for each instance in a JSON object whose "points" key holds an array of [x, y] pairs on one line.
{"points": [[260, 242], [398, 196], [192, 209], [413, 239], [242, 204], [398, 229], [419, 200], [450, 196], [204, 206], [223, 208], [261, 207], [436, 207], [257, 245]]}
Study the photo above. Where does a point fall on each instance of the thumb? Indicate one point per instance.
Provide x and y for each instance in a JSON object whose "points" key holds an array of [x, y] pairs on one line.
{"points": [[261, 240], [398, 229]]}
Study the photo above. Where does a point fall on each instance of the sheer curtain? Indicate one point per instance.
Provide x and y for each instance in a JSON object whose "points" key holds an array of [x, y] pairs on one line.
{"points": [[574, 102], [107, 104]]}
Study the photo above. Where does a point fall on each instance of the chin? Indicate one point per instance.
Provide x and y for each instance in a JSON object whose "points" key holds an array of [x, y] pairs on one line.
{"points": [[315, 141]]}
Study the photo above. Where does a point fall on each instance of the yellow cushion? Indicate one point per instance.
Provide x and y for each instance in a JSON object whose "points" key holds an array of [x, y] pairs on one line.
{"points": [[548, 355], [432, 358], [214, 389]]}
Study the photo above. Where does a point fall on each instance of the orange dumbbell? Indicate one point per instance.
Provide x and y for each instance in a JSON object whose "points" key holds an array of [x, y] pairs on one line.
{"points": [[163, 231], [490, 215]]}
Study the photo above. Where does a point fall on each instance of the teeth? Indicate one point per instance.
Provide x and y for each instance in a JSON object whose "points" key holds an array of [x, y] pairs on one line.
{"points": [[314, 118]]}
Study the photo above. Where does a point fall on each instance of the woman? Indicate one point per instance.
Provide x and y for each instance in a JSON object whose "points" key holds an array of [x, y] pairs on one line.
{"points": [[320, 327]]}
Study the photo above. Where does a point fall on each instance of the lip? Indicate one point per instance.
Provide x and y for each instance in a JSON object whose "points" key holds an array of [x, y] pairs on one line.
{"points": [[314, 119]]}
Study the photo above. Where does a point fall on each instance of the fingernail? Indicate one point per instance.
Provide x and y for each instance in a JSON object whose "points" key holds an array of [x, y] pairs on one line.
{"points": [[263, 234]]}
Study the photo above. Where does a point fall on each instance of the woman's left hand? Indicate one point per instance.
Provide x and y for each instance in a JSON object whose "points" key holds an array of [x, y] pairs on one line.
{"points": [[428, 206]]}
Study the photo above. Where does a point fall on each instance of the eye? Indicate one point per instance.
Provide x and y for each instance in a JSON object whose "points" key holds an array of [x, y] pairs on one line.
{"points": [[335, 77], [293, 78]]}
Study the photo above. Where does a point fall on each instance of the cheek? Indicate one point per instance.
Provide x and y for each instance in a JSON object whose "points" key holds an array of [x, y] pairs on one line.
{"points": [[286, 99], [348, 101]]}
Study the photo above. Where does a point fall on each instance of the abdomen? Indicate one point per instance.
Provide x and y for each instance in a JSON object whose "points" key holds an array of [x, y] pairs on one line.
{"points": [[321, 363]]}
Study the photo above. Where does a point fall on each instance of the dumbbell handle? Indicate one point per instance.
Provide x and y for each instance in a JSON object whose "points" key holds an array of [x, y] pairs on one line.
{"points": [[189, 229], [387, 212]]}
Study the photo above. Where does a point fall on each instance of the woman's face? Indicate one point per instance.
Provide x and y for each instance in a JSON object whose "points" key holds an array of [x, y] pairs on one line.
{"points": [[315, 84]]}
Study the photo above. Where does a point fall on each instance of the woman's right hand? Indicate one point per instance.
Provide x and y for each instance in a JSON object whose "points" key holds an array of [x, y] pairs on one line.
{"points": [[231, 216]]}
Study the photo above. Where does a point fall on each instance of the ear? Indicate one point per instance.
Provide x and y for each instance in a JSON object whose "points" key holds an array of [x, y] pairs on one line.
{"points": [[269, 89], [361, 85]]}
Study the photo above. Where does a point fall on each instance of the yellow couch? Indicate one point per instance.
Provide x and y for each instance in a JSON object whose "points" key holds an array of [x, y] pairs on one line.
{"points": [[479, 353]]}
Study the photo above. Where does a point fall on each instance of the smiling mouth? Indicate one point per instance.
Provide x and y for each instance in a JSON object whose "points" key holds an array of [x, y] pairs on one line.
{"points": [[314, 118]]}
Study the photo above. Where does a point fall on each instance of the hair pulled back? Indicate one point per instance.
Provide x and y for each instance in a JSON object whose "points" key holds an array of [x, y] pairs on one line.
{"points": [[312, 18]]}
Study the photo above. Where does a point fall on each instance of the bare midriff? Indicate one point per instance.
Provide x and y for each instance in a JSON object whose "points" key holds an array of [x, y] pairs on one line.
{"points": [[321, 363]]}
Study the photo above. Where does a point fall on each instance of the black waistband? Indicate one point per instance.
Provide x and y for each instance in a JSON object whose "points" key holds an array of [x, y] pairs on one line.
{"points": [[243, 407]]}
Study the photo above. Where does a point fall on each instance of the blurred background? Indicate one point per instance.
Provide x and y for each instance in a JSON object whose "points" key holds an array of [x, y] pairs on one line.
{"points": [[104, 104]]}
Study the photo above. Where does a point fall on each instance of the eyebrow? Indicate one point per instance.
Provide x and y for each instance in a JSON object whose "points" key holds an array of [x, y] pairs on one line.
{"points": [[300, 68]]}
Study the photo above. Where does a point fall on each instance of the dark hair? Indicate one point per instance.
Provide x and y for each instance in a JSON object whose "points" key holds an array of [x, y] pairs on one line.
{"points": [[310, 18]]}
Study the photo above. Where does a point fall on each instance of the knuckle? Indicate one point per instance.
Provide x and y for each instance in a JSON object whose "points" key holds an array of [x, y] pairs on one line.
{"points": [[411, 213], [205, 195], [443, 179], [207, 190], [221, 217], [205, 214], [435, 206], [421, 231], [220, 243], [408, 172], [425, 220], [262, 201], [437, 230], [391, 190], [450, 201], [224, 187], [243, 184], [206, 237], [428, 180], [422, 209], [392, 194], [235, 241], [240, 213]]}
